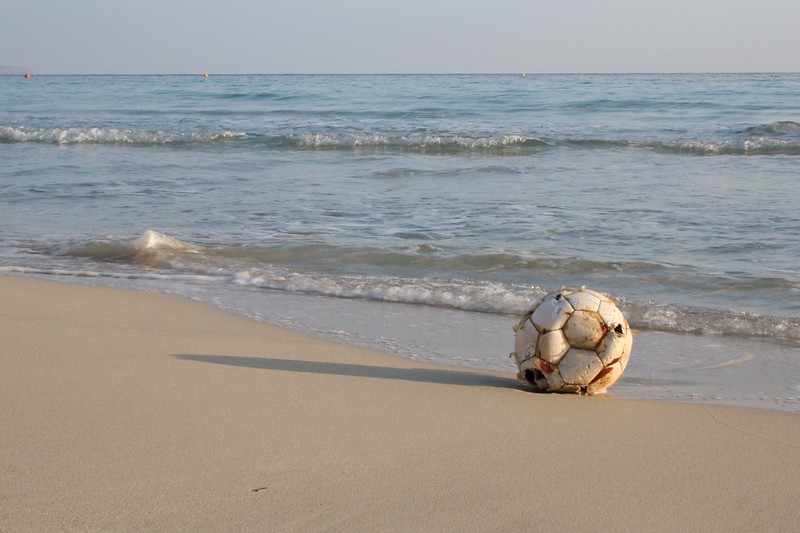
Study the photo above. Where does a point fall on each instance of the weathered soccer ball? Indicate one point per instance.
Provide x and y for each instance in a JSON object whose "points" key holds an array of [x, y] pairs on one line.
{"points": [[572, 341]]}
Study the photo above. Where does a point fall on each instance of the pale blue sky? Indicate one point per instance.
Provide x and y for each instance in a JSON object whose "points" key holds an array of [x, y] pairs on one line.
{"points": [[377, 36]]}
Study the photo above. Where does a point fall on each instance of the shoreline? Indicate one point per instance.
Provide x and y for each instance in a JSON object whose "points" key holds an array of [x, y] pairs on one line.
{"points": [[755, 372], [132, 410]]}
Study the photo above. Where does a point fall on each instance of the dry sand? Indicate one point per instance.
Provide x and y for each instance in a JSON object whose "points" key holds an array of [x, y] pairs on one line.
{"points": [[132, 411]]}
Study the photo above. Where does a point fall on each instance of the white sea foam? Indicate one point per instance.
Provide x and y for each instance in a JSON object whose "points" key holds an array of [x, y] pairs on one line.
{"points": [[153, 240], [62, 272], [468, 296], [108, 136], [416, 142], [179, 260], [771, 139]]}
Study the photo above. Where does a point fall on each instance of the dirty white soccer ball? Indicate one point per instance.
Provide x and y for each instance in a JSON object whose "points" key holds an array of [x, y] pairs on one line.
{"points": [[572, 341]]}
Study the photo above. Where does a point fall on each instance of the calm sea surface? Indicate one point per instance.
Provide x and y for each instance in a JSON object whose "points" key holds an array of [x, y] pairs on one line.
{"points": [[418, 213]]}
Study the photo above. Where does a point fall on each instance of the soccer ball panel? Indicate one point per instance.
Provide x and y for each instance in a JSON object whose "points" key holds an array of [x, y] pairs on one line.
{"points": [[550, 373], [552, 314], [525, 341], [579, 367], [540, 374], [605, 378], [626, 351], [611, 315], [583, 301], [611, 347], [535, 305], [552, 346], [584, 329], [600, 296]]}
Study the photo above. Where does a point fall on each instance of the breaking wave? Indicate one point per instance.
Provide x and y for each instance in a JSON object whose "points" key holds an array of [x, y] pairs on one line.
{"points": [[783, 128], [167, 258], [418, 143], [151, 249], [109, 136], [778, 138], [160, 250], [292, 141]]}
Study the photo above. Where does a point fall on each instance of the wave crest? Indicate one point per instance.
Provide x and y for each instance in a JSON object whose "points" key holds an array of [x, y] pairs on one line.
{"points": [[151, 248], [777, 138], [782, 128], [328, 271], [418, 143], [108, 136]]}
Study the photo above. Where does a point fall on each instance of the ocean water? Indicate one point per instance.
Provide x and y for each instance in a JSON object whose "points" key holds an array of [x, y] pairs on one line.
{"points": [[419, 214]]}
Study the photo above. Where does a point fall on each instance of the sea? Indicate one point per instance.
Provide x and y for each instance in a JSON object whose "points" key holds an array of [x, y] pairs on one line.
{"points": [[420, 215]]}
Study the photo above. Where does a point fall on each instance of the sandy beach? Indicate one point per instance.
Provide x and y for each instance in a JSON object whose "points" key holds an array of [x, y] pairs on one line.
{"points": [[128, 411]]}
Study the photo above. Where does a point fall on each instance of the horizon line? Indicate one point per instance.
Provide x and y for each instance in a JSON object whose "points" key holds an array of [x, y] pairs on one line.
{"points": [[511, 73]]}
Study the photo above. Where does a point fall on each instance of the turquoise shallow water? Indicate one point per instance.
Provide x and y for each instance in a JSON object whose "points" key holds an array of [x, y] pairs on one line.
{"points": [[301, 200]]}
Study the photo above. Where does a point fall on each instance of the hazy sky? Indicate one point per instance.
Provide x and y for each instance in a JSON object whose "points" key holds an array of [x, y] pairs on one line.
{"points": [[377, 36]]}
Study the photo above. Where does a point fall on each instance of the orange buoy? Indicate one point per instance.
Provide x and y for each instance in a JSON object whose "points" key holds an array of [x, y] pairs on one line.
{"points": [[27, 75]]}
